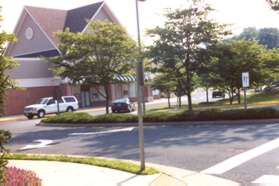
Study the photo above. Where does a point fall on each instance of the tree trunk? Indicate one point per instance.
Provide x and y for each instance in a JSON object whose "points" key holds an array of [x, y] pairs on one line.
{"points": [[169, 104], [190, 107], [231, 96], [189, 89], [107, 98], [207, 97], [238, 96], [179, 101]]}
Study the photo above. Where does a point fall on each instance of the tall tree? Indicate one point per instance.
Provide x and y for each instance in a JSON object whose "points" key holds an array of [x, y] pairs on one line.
{"points": [[95, 58], [230, 59], [269, 37], [164, 62], [165, 85], [185, 31], [250, 33], [265, 36], [6, 63]]}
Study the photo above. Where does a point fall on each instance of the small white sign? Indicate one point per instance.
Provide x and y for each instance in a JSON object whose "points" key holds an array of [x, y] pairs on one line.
{"points": [[245, 79]]}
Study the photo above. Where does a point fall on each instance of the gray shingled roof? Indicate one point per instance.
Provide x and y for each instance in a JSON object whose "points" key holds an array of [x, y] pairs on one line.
{"points": [[77, 18], [54, 20], [50, 20]]}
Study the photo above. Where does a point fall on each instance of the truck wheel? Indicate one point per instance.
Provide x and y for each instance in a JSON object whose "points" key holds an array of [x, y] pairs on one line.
{"points": [[70, 109], [41, 113]]}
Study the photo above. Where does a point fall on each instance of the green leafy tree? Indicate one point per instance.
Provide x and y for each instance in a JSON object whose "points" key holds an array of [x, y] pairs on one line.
{"points": [[185, 32], [230, 59], [6, 63], [163, 60], [269, 37], [265, 36], [250, 33], [165, 85], [95, 58], [272, 64], [5, 136]]}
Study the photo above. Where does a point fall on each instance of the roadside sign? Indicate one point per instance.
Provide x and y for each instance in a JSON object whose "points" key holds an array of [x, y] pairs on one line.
{"points": [[245, 79]]}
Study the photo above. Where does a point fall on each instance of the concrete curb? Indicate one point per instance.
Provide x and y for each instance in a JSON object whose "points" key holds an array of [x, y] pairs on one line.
{"points": [[154, 124]]}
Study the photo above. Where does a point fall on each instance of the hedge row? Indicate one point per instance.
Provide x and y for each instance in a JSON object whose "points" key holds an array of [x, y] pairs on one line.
{"points": [[208, 115]]}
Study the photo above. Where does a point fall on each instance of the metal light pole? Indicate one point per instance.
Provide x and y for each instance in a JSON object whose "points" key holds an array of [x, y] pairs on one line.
{"points": [[140, 88]]}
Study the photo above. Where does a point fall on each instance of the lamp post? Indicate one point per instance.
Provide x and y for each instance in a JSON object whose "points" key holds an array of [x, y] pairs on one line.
{"points": [[140, 88]]}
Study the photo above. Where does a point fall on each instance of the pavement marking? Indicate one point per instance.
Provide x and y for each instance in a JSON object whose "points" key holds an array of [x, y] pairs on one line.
{"points": [[103, 132], [267, 180], [41, 144], [239, 159]]}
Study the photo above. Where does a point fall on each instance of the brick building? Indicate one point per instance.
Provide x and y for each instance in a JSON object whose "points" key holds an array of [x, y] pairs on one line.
{"points": [[35, 33]]}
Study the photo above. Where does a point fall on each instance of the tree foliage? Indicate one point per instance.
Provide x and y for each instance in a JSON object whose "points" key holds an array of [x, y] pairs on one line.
{"points": [[165, 84], [230, 59], [265, 36], [5, 136], [179, 42], [6, 63], [95, 57]]}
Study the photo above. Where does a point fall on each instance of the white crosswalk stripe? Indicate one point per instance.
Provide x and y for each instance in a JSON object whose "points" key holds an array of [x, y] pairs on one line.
{"points": [[239, 159], [267, 180]]}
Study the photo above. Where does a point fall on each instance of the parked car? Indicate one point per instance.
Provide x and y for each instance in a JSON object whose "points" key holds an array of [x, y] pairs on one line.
{"points": [[218, 94], [122, 105], [48, 105]]}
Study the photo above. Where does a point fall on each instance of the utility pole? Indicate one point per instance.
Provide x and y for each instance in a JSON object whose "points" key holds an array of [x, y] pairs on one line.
{"points": [[140, 92]]}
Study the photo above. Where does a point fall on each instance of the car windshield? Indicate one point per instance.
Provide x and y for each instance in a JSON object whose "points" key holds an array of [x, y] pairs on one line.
{"points": [[122, 100], [42, 101]]}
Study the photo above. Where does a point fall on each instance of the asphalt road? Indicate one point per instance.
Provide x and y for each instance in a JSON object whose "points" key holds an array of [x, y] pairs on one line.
{"points": [[191, 147]]}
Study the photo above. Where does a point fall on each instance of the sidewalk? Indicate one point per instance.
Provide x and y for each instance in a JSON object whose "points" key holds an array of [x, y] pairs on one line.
{"points": [[13, 118], [72, 174]]}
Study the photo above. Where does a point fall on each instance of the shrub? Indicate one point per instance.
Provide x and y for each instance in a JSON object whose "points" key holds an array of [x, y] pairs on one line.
{"points": [[19, 177], [87, 118], [205, 115], [5, 136]]}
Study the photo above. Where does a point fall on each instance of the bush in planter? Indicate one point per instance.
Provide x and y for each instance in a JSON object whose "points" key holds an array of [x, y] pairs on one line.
{"points": [[18, 177], [5, 136]]}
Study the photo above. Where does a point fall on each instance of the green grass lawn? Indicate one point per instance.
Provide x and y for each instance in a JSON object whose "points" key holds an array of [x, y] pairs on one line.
{"points": [[254, 100], [101, 162]]}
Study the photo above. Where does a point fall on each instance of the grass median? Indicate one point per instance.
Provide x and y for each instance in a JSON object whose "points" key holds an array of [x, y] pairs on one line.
{"points": [[101, 162], [167, 116]]}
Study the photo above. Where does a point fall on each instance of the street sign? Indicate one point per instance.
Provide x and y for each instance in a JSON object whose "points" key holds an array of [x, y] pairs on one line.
{"points": [[245, 79], [245, 85]]}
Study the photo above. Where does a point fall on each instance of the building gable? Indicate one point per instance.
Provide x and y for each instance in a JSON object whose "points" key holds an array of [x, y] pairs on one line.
{"points": [[30, 38], [36, 27], [103, 14], [77, 18]]}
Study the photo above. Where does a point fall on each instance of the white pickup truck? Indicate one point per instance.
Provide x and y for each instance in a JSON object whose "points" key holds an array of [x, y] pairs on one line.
{"points": [[49, 105]]}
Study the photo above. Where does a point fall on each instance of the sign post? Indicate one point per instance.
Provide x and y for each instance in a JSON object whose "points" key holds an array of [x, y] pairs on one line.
{"points": [[245, 85]]}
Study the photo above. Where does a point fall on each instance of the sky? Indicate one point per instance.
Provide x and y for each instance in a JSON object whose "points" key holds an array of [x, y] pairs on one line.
{"points": [[238, 13]]}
